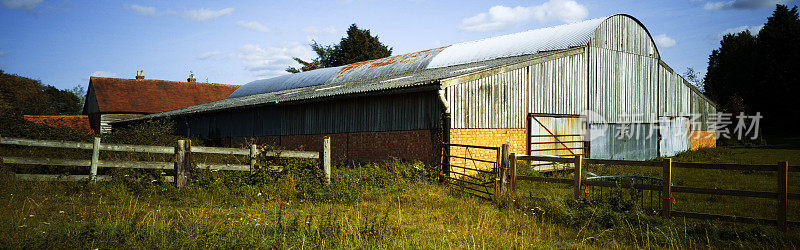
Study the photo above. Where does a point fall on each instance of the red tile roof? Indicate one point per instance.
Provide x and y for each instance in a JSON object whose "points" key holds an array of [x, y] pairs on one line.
{"points": [[80, 122], [116, 95]]}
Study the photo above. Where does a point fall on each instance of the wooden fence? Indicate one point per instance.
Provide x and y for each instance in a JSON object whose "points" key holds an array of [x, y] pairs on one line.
{"points": [[182, 163], [667, 189]]}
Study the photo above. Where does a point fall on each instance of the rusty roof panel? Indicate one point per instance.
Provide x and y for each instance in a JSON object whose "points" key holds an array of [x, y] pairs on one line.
{"points": [[385, 67]]}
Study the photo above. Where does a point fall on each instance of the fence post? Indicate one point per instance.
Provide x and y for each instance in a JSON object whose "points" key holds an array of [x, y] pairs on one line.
{"points": [[512, 159], [95, 159], [253, 154], [578, 176], [183, 162], [666, 201], [783, 180], [504, 153], [326, 158], [445, 145]]}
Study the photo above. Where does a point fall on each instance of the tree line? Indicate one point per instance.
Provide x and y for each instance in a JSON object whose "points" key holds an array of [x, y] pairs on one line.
{"points": [[21, 95], [760, 72]]}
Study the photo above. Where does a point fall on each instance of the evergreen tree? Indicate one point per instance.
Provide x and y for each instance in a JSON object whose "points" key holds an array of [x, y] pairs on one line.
{"points": [[358, 46]]}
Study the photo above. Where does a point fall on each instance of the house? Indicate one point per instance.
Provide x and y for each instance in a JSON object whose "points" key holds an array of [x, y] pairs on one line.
{"points": [[584, 88], [112, 99]]}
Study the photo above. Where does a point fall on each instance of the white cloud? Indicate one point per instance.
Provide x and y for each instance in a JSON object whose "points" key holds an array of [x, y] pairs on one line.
{"points": [[208, 55], [501, 17], [253, 25], [205, 14], [101, 73], [663, 41], [743, 4], [142, 10], [272, 61], [753, 30], [21, 4], [314, 30]]}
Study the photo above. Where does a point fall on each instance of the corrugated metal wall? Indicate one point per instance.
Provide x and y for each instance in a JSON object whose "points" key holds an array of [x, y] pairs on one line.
{"points": [[380, 113], [497, 101], [409, 111], [607, 142], [674, 94], [623, 72], [677, 98], [622, 33], [623, 86], [556, 86], [674, 135]]}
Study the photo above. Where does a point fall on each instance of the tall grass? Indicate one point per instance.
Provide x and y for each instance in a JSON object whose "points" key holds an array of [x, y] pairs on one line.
{"points": [[384, 205]]}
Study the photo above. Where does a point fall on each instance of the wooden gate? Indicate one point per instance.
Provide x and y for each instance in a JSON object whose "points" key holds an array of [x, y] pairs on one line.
{"points": [[556, 135]]}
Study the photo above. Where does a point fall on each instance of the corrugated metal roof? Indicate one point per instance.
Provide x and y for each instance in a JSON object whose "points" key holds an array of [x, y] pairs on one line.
{"points": [[384, 67], [522, 43], [291, 81], [517, 44], [412, 79]]}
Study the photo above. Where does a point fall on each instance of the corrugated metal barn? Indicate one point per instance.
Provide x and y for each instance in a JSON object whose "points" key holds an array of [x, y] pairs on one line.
{"points": [[596, 88]]}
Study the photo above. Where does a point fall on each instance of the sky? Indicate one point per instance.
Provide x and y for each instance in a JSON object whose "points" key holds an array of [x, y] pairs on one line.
{"points": [[63, 42]]}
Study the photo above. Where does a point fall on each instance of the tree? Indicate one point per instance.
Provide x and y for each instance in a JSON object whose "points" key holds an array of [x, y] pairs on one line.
{"points": [[691, 76], [358, 46], [21, 95], [759, 73], [80, 92], [730, 70], [778, 46]]}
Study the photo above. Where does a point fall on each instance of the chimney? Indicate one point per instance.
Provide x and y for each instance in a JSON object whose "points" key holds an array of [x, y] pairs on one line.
{"points": [[191, 78], [140, 74]]}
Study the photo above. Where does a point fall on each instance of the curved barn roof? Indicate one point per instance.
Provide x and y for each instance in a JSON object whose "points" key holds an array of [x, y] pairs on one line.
{"points": [[523, 43], [421, 68]]}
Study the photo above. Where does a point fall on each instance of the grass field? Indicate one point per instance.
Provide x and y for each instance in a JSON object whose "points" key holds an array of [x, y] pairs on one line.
{"points": [[389, 205]]}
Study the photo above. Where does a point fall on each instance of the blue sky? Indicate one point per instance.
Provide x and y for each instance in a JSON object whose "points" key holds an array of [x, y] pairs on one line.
{"points": [[63, 42]]}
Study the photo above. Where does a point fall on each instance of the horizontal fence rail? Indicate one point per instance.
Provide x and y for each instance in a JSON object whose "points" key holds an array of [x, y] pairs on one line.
{"points": [[182, 160], [667, 188]]}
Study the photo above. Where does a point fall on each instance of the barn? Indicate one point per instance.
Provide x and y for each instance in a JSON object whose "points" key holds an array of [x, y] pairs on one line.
{"points": [[113, 99], [597, 88]]}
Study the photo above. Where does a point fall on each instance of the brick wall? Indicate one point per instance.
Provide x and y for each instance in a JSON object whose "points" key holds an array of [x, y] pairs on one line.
{"points": [[703, 139], [408, 145], [485, 137]]}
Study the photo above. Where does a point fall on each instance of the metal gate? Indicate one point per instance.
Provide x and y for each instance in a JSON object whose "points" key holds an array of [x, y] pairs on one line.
{"points": [[472, 169], [556, 135]]}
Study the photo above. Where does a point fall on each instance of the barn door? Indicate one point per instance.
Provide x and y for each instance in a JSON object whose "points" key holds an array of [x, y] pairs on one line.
{"points": [[556, 135]]}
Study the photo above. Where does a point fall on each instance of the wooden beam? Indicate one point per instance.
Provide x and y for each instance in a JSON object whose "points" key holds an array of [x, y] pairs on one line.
{"points": [[578, 177], [783, 182]]}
